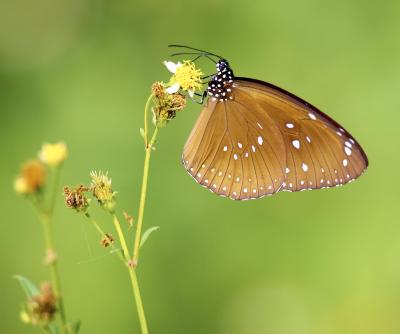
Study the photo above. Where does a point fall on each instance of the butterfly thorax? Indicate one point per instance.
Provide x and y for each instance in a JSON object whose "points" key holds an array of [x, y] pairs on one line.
{"points": [[220, 85]]}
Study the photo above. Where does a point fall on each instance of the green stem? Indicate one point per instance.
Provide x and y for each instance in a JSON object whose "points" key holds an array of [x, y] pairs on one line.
{"points": [[56, 181], [138, 300], [145, 119], [143, 193], [133, 277], [102, 233], [46, 219], [121, 237], [55, 276]]}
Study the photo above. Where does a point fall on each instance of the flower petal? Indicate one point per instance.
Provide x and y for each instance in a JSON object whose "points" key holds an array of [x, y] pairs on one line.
{"points": [[171, 66], [191, 93], [173, 89]]}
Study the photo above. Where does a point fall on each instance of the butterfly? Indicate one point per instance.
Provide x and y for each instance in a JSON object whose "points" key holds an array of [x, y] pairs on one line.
{"points": [[254, 139]]}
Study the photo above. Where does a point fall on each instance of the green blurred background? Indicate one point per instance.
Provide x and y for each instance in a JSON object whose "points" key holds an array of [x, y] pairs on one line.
{"points": [[318, 262]]}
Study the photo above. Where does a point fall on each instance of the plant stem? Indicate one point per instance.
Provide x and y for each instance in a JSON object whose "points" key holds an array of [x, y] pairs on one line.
{"points": [[46, 219], [102, 233], [143, 193], [133, 277], [138, 300], [55, 276], [145, 118]]}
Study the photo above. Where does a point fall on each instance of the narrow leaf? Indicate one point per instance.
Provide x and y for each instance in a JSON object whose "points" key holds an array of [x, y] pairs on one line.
{"points": [[31, 290], [74, 327], [147, 233], [53, 329]]}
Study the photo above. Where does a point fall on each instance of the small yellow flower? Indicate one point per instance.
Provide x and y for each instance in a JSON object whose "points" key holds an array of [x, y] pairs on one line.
{"points": [[53, 154], [31, 178], [186, 77], [20, 185], [102, 189]]}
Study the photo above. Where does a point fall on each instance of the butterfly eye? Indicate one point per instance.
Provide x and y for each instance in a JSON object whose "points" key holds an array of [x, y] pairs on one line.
{"points": [[254, 139]]}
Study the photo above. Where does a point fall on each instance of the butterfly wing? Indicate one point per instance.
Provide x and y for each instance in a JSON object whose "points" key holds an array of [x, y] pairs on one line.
{"points": [[266, 140]]}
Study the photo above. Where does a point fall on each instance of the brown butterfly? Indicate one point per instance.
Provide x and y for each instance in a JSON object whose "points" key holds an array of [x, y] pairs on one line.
{"points": [[254, 139]]}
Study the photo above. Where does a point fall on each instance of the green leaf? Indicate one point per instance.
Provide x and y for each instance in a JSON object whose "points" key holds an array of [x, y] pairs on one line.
{"points": [[74, 326], [147, 233], [31, 290], [53, 329]]}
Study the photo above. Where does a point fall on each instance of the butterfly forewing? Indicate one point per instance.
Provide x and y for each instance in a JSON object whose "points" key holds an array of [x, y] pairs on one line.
{"points": [[264, 140], [319, 152]]}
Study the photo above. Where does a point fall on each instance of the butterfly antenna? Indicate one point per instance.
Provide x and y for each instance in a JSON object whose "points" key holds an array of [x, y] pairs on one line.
{"points": [[194, 49], [198, 54]]}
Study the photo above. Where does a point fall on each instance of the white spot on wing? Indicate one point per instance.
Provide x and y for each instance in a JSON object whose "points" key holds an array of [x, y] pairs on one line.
{"points": [[260, 140], [312, 116], [304, 167], [296, 143], [289, 125]]}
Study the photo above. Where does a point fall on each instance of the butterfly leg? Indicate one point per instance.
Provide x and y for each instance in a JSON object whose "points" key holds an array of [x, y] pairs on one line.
{"points": [[202, 97]]}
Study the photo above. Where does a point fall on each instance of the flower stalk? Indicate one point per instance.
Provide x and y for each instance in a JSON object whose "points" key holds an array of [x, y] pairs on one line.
{"points": [[143, 194], [51, 255]]}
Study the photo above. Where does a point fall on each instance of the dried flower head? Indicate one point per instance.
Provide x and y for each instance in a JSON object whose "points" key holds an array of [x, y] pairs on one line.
{"points": [[186, 77], [165, 105], [76, 198], [53, 154], [101, 188], [42, 308], [128, 218], [31, 178], [107, 240], [50, 257]]}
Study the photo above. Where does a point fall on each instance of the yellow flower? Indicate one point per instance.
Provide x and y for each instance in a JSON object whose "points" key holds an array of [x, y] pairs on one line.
{"points": [[20, 185], [186, 76], [53, 154], [31, 178]]}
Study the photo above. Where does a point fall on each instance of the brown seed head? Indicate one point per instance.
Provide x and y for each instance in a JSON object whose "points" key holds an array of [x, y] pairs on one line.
{"points": [[43, 306], [107, 240], [165, 105], [76, 198]]}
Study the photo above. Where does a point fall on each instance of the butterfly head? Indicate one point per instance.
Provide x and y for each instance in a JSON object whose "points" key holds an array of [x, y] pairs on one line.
{"points": [[222, 65]]}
